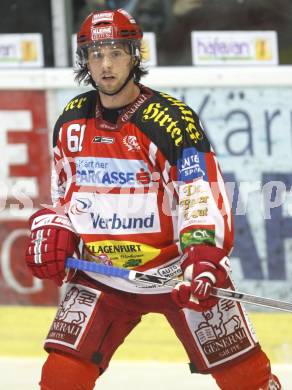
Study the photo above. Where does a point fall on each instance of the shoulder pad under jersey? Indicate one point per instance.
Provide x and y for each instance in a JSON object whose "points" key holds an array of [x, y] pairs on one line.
{"points": [[171, 125], [81, 106]]}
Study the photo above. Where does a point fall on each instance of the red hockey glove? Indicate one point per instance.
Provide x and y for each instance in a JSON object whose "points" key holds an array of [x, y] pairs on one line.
{"points": [[204, 267], [52, 240]]}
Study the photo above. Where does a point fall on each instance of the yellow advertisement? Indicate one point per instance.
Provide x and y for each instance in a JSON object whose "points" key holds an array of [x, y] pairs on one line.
{"points": [[124, 254], [149, 53], [21, 50], [263, 50], [29, 51]]}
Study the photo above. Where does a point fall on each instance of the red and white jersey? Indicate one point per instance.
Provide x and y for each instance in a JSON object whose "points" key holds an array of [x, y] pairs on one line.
{"points": [[141, 190]]}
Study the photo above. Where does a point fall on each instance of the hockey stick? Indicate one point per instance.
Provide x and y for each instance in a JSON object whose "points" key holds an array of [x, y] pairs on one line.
{"points": [[162, 281]]}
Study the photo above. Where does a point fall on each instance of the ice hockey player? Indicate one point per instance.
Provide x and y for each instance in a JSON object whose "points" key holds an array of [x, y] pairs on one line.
{"points": [[136, 184]]}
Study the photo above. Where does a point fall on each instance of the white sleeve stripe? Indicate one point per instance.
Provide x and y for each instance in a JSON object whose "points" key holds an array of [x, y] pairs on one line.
{"points": [[37, 247], [224, 195], [152, 153], [68, 171], [57, 151], [165, 173]]}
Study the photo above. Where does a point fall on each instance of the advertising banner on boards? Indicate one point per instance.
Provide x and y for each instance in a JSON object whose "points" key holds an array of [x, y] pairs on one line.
{"points": [[25, 183], [250, 130], [21, 51], [234, 48]]}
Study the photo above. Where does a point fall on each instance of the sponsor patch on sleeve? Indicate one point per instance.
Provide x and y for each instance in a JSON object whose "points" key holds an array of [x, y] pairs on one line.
{"points": [[196, 236], [191, 165]]}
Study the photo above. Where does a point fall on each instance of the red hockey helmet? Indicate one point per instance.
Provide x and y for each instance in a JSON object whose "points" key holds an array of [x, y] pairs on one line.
{"points": [[108, 27]]}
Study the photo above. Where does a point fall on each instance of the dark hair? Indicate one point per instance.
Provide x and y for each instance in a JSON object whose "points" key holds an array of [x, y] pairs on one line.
{"points": [[82, 74]]}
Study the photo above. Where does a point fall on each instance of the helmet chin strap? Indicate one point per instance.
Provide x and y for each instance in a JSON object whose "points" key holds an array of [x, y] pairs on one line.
{"points": [[130, 76]]}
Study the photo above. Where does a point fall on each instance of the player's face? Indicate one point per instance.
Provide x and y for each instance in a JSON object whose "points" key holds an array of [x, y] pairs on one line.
{"points": [[109, 66]]}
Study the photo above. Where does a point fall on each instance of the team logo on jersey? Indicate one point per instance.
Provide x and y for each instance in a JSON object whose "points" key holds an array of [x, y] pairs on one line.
{"points": [[131, 142], [103, 140]]}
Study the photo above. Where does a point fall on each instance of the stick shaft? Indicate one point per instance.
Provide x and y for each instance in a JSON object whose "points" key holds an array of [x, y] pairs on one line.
{"points": [[252, 299], [162, 281]]}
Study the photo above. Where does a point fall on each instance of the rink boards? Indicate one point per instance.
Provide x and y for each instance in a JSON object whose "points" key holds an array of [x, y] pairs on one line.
{"points": [[23, 329]]}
